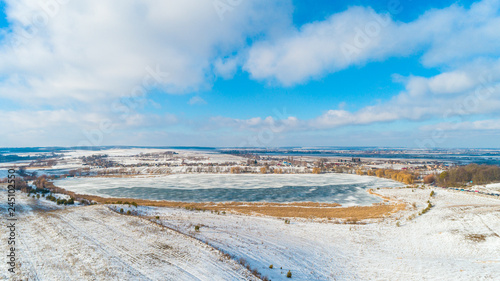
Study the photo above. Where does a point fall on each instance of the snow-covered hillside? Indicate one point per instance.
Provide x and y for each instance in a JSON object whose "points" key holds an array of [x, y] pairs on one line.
{"points": [[458, 239], [95, 243]]}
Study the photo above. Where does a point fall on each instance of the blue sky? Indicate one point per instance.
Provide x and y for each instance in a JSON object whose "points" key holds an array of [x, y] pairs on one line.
{"points": [[250, 73]]}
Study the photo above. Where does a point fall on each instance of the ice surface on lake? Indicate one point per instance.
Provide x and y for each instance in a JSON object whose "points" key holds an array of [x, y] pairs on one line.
{"points": [[39, 172], [3, 173], [339, 188]]}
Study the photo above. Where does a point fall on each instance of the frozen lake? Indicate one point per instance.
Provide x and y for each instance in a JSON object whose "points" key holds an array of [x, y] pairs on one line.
{"points": [[3, 173], [49, 172], [340, 188]]}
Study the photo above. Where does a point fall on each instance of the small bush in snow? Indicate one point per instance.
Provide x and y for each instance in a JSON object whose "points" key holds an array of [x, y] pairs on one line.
{"points": [[129, 212], [289, 274], [197, 228], [271, 266], [121, 210]]}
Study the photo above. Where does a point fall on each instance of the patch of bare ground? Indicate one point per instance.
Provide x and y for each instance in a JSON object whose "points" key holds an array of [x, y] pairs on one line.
{"points": [[476, 237]]}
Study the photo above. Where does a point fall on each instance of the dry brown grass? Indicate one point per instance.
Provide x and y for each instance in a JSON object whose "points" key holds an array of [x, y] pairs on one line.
{"points": [[351, 213], [370, 191], [476, 237], [297, 209]]}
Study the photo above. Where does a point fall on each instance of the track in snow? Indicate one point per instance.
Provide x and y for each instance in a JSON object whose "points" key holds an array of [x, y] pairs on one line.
{"points": [[94, 243]]}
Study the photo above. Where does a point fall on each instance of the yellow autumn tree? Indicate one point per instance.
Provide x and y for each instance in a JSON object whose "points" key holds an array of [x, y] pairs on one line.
{"points": [[316, 170]]}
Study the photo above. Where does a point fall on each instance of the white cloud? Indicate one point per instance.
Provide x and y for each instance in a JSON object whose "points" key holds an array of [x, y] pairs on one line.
{"points": [[318, 48], [338, 118], [93, 49], [458, 35], [226, 68], [81, 58], [196, 100], [359, 35], [256, 124], [474, 89], [490, 124], [148, 121], [471, 90], [88, 54], [451, 82], [70, 127]]}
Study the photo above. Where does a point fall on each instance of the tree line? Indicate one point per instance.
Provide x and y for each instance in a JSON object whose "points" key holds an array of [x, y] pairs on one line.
{"points": [[472, 173], [403, 176]]}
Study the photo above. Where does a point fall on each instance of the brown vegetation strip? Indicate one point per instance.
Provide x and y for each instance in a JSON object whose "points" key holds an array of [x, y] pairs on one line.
{"points": [[352, 213], [370, 191], [281, 210]]}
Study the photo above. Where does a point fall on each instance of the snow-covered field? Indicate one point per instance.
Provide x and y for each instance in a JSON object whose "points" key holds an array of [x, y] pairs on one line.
{"points": [[136, 155], [94, 243], [458, 239], [339, 188], [493, 186], [489, 188]]}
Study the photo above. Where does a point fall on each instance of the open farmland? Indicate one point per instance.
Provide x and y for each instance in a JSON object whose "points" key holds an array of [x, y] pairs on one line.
{"points": [[94, 243], [457, 239]]}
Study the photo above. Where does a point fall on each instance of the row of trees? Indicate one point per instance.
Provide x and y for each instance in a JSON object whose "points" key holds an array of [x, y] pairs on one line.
{"points": [[269, 170], [477, 174], [397, 175], [20, 184]]}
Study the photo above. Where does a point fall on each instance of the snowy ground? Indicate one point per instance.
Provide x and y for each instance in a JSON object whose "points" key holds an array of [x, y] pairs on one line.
{"points": [[138, 155], [489, 188], [94, 243], [458, 239]]}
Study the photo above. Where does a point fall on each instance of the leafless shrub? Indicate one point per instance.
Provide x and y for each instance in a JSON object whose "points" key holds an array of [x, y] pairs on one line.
{"points": [[476, 237]]}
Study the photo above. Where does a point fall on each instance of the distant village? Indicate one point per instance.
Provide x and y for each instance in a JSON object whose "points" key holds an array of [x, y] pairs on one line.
{"points": [[161, 162], [181, 162]]}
